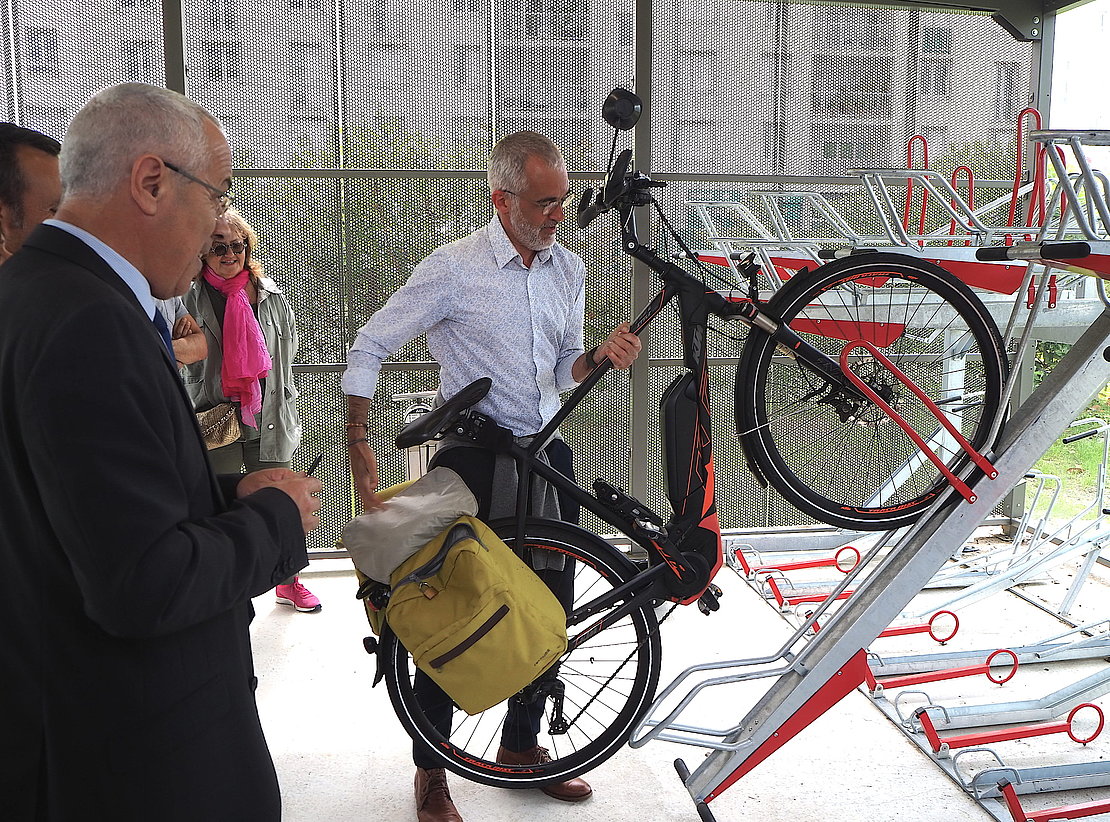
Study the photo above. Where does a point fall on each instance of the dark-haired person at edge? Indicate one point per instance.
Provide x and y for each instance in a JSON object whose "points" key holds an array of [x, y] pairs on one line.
{"points": [[30, 186], [252, 341], [506, 302], [128, 680]]}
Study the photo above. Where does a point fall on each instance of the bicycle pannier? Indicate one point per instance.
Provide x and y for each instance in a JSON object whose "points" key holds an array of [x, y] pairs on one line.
{"points": [[475, 618]]}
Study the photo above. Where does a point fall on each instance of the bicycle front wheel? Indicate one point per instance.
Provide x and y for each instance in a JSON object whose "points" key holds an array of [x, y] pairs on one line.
{"points": [[837, 456], [606, 682]]}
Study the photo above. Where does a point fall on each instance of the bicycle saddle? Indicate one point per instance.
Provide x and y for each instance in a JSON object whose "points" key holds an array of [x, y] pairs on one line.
{"points": [[432, 425]]}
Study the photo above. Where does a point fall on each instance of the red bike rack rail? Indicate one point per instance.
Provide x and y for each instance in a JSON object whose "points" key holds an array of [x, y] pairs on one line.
{"points": [[877, 687], [941, 745], [927, 628], [835, 561], [977, 458], [1081, 811]]}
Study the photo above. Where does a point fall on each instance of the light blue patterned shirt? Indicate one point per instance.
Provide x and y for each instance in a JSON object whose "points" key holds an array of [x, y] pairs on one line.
{"points": [[485, 315]]}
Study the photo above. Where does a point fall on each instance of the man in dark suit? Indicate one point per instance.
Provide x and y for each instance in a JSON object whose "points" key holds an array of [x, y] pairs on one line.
{"points": [[127, 682]]}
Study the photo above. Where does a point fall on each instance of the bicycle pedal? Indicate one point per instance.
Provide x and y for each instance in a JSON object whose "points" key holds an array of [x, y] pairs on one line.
{"points": [[707, 602]]}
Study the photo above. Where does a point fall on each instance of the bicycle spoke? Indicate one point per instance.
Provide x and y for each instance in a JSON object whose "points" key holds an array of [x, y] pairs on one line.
{"points": [[831, 453], [606, 683]]}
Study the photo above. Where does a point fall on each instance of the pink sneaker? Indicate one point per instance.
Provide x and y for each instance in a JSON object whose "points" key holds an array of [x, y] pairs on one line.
{"points": [[298, 596]]}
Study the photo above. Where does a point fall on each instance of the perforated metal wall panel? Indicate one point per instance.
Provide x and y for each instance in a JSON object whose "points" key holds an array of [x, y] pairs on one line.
{"points": [[360, 131]]}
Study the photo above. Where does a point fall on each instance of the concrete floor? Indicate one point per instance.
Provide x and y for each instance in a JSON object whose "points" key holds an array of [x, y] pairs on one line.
{"points": [[342, 756]]}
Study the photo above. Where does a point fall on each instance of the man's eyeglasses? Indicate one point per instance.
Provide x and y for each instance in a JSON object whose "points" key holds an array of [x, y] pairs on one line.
{"points": [[220, 249], [223, 198], [547, 207]]}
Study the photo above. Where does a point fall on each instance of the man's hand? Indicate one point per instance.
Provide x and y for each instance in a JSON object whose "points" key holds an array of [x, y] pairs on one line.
{"points": [[621, 347], [300, 488], [189, 343], [364, 471]]}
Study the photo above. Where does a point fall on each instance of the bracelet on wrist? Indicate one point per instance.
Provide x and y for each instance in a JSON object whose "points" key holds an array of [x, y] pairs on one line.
{"points": [[591, 356], [356, 442], [357, 425]]}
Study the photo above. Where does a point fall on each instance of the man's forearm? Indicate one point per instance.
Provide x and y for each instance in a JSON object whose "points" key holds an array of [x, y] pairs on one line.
{"points": [[358, 410]]}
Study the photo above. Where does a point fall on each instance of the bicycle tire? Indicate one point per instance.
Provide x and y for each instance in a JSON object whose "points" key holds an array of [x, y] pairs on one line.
{"points": [[843, 461], [610, 680]]}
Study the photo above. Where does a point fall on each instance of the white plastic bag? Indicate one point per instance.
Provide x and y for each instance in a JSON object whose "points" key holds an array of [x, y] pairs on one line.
{"points": [[380, 540]]}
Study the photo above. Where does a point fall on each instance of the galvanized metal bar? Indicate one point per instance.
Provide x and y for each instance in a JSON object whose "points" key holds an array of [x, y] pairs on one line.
{"points": [[906, 569]]}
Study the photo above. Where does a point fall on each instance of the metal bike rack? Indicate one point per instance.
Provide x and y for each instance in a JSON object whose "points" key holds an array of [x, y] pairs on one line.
{"points": [[1086, 644], [810, 677], [417, 457], [1040, 709]]}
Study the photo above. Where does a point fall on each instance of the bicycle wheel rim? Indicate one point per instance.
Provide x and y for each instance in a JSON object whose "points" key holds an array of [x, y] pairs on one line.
{"points": [[863, 471], [610, 680]]}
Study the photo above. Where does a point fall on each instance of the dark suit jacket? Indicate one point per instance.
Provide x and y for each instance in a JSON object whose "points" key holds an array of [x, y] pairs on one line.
{"points": [[126, 681]]}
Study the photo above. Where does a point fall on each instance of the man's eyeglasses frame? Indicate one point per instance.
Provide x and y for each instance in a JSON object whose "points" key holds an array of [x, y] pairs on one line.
{"points": [[546, 207], [224, 198]]}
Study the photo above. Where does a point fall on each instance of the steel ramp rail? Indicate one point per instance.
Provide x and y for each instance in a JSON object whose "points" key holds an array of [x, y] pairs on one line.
{"points": [[1090, 645], [1022, 712], [832, 664]]}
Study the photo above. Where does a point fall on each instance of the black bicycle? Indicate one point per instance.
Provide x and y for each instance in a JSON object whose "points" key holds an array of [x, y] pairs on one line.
{"points": [[840, 365]]}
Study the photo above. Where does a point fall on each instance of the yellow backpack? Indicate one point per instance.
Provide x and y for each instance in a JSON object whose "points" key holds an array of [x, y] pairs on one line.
{"points": [[475, 617]]}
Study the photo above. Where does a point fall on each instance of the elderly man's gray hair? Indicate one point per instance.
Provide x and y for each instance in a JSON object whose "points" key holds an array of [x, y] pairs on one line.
{"points": [[120, 124], [510, 155]]}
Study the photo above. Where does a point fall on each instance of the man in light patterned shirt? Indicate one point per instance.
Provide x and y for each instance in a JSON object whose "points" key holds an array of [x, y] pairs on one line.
{"points": [[506, 302]]}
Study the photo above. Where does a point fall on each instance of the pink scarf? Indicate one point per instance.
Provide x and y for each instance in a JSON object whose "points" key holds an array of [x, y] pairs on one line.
{"points": [[246, 359]]}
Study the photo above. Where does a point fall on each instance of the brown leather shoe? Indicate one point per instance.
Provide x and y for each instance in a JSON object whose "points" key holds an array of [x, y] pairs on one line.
{"points": [[573, 790], [433, 800]]}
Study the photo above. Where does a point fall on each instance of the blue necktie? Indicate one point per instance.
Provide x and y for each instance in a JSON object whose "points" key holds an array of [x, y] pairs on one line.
{"points": [[164, 330]]}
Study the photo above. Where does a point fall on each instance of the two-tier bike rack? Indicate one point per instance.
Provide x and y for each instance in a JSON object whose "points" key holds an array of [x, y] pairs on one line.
{"points": [[812, 671]]}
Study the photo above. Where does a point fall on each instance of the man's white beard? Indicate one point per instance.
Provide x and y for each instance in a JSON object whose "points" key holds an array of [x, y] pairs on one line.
{"points": [[528, 234]]}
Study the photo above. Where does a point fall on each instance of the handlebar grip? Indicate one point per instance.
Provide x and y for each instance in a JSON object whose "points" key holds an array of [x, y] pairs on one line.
{"points": [[1083, 436], [614, 183], [1066, 251], [994, 254], [1034, 251], [588, 208]]}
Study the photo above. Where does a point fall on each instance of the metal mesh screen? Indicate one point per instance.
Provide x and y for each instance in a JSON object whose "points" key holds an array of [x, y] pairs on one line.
{"points": [[360, 131], [59, 52], [787, 88]]}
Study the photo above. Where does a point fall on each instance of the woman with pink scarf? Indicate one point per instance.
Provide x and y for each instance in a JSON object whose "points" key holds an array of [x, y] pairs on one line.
{"points": [[252, 342]]}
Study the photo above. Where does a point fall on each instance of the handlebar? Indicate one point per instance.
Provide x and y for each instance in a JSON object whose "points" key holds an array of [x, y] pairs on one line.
{"points": [[1083, 436], [436, 422], [1034, 251]]}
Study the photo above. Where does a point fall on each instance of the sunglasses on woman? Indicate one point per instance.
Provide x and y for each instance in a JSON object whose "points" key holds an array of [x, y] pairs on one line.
{"points": [[220, 249]]}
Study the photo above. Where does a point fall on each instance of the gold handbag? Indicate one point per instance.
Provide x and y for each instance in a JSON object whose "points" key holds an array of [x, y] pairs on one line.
{"points": [[219, 426]]}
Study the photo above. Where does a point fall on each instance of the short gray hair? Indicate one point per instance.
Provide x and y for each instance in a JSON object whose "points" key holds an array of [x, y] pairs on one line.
{"points": [[123, 122], [511, 154]]}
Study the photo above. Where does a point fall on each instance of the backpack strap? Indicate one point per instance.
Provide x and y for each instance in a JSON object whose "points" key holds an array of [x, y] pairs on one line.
{"points": [[459, 531]]}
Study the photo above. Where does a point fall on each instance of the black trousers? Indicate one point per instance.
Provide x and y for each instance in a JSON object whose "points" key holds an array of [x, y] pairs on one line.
{"points": [[522, 722]]}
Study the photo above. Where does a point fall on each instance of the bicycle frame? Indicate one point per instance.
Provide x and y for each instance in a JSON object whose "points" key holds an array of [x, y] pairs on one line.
{"points": [[690, 543]]}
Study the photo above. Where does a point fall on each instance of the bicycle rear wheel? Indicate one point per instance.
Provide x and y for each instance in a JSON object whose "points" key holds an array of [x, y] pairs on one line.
{"points": [[829, 452], [608, 681]]}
